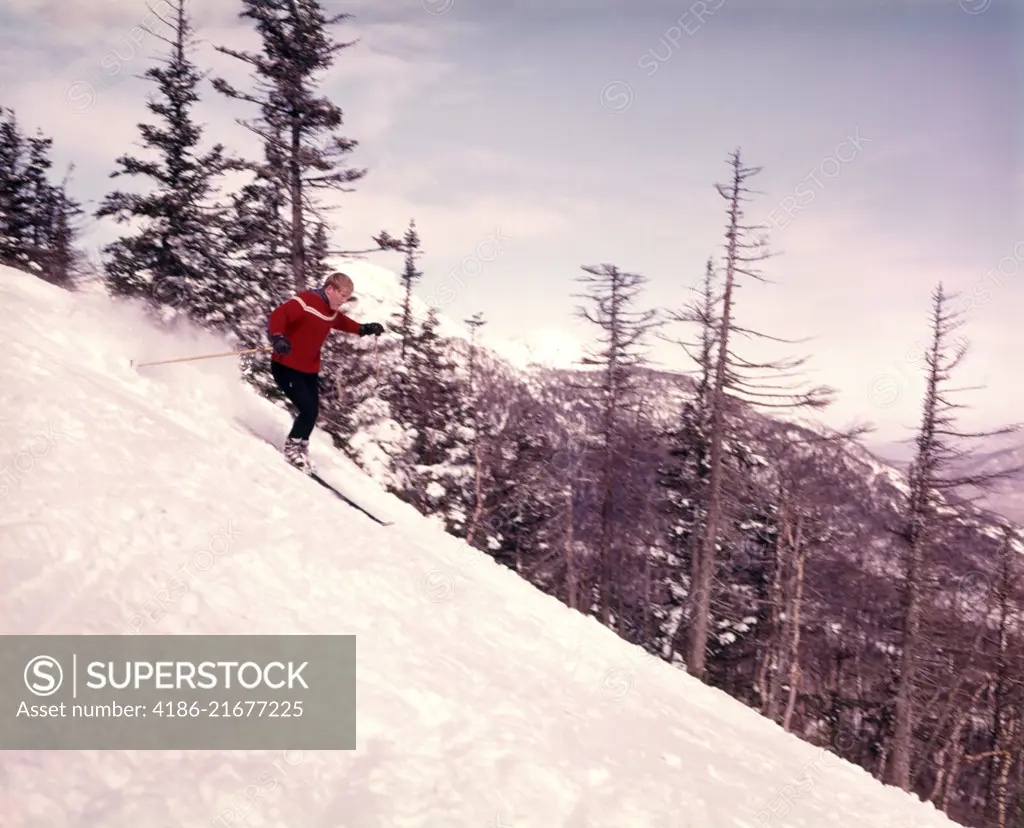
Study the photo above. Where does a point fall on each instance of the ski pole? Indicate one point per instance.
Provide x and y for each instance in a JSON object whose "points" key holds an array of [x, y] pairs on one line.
{"points": [[206, 356]]}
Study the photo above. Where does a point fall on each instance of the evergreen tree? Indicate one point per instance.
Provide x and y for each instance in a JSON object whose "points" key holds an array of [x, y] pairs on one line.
{"points": [[258, 233], [476, 492], [403, 325], [38, 219], [39, 194], [15, 209], [442, 406], [400, 391], [522, 528], [297, 125], [439, 460], [474, 323], [62, 260], [351, 382], [318, 246], [683, 475], [257, 238], [350, 398], [176, 257]]}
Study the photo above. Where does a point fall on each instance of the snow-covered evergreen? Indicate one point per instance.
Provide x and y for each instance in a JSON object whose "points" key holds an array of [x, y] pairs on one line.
{"points": [[174, 255], [39, 228]]}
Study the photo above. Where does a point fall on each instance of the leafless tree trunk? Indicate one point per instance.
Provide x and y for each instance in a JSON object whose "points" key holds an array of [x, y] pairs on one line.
{"points": [[1001, 759], [1005, 760], [901, 753], [1005, 772], [928, 482], [769, 660], [795, 603], [570, 558], [950, 709], [474, 323], [704, 566], [945, 777], [777, 607], [780, 662], [478, 492], [607, 542]]}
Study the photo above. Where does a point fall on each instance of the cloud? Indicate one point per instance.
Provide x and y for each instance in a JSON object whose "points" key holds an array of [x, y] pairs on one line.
{"points": [[71, 21], [101, 45], [451, 230], [85, 90]]}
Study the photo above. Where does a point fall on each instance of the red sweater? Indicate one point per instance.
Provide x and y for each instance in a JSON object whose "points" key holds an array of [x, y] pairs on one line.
{"points": [[306, 320]]}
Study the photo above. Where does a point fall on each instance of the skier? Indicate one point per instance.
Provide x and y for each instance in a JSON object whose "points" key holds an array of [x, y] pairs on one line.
{"points": [[298, 329]]}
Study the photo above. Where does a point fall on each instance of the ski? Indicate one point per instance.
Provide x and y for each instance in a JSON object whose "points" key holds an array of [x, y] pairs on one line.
{"points": [[313, 475], [351, 503]]}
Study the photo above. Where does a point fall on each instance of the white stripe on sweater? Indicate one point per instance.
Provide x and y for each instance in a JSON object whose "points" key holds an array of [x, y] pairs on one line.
{"points": [[315, 312]]}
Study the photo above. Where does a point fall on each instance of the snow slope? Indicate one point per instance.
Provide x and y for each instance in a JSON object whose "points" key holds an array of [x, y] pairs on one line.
{"points": [[482, 702]]}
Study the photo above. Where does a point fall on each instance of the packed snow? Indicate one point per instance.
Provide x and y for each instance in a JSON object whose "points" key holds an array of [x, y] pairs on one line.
{"points": [[482, 702]]}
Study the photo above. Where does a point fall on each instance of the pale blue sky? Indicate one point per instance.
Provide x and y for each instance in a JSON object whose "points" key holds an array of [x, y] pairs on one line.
{"points": [[482, 122]]}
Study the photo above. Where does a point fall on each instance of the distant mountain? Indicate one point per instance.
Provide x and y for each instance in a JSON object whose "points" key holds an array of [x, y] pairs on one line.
{"points": [[544, 347], [542, 361], [1002, 453]]}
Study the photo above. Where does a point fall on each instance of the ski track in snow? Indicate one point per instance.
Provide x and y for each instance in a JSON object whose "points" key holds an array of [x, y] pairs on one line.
{"points": [[482, 702]]}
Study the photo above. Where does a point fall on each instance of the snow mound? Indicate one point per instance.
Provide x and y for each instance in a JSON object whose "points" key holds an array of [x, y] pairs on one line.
{"points": [[481, 700], [379, 292], [544, 347]]}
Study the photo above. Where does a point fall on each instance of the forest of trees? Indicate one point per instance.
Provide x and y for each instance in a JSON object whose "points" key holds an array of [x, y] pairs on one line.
{"points": [[39, 220], [765, 559]]}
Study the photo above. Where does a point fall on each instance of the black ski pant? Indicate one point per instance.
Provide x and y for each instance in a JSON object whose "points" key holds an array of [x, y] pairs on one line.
{"points": [[304, 391]]}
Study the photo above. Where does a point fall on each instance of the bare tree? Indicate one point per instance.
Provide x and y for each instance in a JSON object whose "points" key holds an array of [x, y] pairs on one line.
{"points": [[613, 292], [733, 383], [475, 323], [931, 482], [804, 513], [1007, 685]]}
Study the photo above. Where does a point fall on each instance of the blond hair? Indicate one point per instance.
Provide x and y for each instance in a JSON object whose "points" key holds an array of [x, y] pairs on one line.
{"points": [[339, 281]]}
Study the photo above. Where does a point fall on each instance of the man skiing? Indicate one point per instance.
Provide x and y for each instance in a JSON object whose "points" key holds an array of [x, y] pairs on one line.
{"points": [[298, 329]]}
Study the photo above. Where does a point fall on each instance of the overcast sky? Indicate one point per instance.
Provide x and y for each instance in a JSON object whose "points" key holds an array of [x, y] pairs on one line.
{"points": [[529, 141]]}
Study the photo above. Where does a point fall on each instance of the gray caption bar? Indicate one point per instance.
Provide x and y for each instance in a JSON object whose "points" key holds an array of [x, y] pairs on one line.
{"points": [[177, 692]]}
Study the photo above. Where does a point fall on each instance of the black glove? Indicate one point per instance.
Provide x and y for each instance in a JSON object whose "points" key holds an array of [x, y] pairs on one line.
{"points": [[371, 328], [281, 345]]}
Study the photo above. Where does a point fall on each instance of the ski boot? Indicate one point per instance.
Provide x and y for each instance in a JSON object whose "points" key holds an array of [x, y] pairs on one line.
{"points": [[307, 464], [296, 453]]}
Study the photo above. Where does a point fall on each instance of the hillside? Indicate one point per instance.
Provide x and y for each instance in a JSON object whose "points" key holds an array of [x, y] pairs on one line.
{"points": [[481, 700], [851, 612]]}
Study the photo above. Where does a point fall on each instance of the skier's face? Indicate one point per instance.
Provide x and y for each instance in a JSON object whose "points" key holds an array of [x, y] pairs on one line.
{"points": [[337, 296]]}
